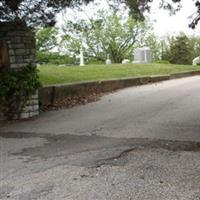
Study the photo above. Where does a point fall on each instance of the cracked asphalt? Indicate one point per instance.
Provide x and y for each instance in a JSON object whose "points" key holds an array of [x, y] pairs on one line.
{"points": [[138, 143]]}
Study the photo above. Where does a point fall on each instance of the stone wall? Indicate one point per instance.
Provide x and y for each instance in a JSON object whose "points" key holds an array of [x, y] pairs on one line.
{"points": [[20, 42], [50, 95]]}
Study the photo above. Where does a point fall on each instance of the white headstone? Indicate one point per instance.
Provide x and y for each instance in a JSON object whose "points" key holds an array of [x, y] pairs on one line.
{"points": [[196, 60], [108, 61], [142, 55], [125, 61]]}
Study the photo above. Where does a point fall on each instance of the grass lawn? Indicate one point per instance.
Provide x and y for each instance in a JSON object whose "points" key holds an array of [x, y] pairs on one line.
{"points": [[52, 74]]}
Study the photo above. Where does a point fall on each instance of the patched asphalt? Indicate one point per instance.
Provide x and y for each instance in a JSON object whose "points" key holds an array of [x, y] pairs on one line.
{"points": [[93, 167], [138, 143]]}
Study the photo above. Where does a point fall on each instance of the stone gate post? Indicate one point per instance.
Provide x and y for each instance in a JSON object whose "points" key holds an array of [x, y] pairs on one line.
{"points": [[17, 49]]}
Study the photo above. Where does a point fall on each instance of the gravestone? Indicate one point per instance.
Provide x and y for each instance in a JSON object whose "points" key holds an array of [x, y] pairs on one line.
{"points": [[196, 61], [142, 55], [108, 61], [17, 50], [125, 61]]}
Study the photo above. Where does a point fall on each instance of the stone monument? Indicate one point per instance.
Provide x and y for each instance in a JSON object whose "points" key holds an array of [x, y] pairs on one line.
{"points": [[142, 55], [196, 60]]}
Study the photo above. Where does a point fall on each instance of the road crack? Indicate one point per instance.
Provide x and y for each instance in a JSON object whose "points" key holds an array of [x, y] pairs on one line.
{"points": [[113, 160]]}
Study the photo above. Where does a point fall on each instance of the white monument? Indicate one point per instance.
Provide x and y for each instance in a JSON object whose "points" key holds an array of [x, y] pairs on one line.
{"points": [[81, 56], [142, 55], [108, 61], [196, 61]]}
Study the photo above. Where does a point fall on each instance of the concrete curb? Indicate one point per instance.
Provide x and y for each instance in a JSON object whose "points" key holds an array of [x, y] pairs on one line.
{"points": [[50, 94]]}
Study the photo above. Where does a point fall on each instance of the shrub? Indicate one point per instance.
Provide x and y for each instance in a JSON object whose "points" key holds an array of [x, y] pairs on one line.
{"points": [[94, 61], [54, 58], [16, 87], [162, 62], [180, 51]]}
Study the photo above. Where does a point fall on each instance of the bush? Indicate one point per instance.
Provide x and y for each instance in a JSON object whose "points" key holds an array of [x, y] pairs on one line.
{"points": [[94, 61], [54, 58], [162, 62], [16, 87], [180, 51]]}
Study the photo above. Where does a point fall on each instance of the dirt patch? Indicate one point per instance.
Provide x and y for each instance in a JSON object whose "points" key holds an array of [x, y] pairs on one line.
{"points": [[18, 135], [70, 102]]}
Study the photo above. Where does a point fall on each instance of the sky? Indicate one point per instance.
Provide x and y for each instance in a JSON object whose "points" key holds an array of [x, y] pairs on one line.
{"points": [[163, 23]]}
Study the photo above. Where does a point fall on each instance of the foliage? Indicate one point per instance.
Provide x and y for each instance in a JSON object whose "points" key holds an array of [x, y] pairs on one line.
{"points": [[180, 50], [46, 39], [94, 61], [162, 62], [138, 8], [52, 74], [107, 34], [165, 47], [155, 45], [195, 43], [34, 12], [54, 58], [16, 86], [42, 12]]}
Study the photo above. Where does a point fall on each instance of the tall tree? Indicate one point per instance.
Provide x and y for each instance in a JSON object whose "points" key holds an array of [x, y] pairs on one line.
{"points": [[108, 34], [156, 46], [34, 12], [181, 50], [46, 39], [195, 42]]}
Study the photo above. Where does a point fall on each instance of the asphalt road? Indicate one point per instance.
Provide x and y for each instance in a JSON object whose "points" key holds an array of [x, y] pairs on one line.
{"points": [[138, 143], [168, 110]]}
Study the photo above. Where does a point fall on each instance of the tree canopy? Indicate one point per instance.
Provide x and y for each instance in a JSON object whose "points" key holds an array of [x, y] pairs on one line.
{"points": [[180, 50], [34, 12], [106, 34], [42, 12], [46, 39]]}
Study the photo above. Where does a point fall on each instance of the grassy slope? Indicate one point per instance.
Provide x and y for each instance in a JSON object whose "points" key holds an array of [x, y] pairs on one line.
{"points": [[51, 74]]}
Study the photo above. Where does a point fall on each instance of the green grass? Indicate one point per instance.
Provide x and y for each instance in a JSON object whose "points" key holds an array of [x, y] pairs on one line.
{"points": [[52, 74]]}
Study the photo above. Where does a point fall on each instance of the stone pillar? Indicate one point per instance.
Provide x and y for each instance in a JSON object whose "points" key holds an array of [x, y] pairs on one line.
{"points": [[20, 44]]}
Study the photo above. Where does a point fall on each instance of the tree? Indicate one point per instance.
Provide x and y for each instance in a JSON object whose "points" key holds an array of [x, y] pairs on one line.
{"points": [[108, 34], [155, 46], [46, 39], [42, 12], [137, 8], [165, 47], [180, 50], [34, 12], [195, 42]]}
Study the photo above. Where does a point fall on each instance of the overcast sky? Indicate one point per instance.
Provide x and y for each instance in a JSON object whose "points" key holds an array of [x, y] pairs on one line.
{"points": [[163, 23]]}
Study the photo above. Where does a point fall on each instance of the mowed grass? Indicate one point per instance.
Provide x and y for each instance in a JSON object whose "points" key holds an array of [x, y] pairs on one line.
{"points": [[52, 74]]}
